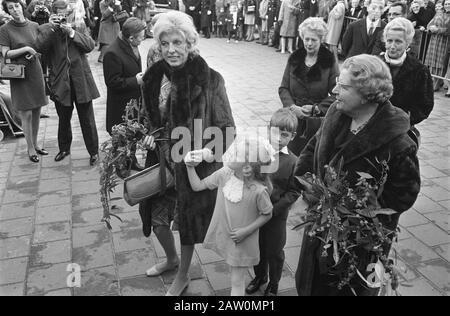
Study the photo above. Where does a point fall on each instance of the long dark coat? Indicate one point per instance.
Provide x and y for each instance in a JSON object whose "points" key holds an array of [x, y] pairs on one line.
{"points": [[205, 6], [67, 60], [413, 90], [301, 86], [356, 40], [120, 66], [384, 137], [198, 92], [109, 29]]}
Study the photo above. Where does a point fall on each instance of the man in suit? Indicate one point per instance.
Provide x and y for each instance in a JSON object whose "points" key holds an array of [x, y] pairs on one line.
{"points": [[361, 36], [355, 10], [122, 69], [396, 10], [70, 79], [193, 8]]}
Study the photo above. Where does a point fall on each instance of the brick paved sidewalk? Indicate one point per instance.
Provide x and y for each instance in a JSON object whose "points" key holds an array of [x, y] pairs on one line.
{"points": [[50, 212]]}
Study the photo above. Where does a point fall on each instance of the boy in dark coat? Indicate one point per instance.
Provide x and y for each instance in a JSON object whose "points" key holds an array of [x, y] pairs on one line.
{"points": [[272, 236]]}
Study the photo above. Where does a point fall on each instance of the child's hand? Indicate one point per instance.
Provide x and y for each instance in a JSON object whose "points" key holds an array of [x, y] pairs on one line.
{"points": [[239, 234], [193, 158]]}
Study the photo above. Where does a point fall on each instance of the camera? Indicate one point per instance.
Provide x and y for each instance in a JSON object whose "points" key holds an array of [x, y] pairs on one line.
{"points": [[59, 19]]}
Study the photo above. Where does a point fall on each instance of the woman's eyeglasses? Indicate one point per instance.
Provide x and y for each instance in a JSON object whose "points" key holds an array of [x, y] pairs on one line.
{"points": [[340, 84]]}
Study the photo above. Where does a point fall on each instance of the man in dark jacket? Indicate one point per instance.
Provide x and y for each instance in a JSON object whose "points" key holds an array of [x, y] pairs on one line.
{"points": [[206, 14], [38, 11], [70, 79], [122, 69], [396, 10], [193, 8], [361, 36]]}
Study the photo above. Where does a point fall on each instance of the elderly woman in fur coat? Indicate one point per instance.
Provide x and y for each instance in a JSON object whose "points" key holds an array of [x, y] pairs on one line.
{"points": [[181, 91], [363, 129], [308, 81]]}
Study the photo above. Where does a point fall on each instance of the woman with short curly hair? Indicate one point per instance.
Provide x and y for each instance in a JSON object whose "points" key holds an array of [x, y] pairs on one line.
{"points": [[362, 129], [178, 90], [308, 80], [412, 81]]}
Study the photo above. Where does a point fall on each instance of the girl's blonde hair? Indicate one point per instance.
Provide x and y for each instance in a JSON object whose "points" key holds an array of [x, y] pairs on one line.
{"points": [[255, 151]]}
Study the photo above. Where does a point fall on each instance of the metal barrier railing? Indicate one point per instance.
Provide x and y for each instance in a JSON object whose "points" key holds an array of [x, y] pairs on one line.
{"points": [[420, 48]]}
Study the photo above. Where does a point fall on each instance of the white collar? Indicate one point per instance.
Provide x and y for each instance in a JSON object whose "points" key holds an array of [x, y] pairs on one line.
{"points": [[370, 23], [284, 150]]}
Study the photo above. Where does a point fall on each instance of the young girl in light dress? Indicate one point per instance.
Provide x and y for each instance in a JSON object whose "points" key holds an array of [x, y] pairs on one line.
{"points": [[243, 204]]}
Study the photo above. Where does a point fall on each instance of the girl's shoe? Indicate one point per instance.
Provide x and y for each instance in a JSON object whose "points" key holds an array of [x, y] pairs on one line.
{"points": [[180, 290], [156, 270]]}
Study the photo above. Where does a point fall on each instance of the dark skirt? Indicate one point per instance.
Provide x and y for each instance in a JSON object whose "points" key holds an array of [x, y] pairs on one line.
{"points": [[29, 93]]}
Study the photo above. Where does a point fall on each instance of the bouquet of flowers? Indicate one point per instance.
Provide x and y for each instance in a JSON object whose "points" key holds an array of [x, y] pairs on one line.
{"points": [[118, 152], [345, 221]]}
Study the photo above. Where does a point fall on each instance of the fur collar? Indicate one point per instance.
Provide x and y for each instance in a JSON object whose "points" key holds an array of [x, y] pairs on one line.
{"points": [[387, 124], [188, 83], [325, 60]]}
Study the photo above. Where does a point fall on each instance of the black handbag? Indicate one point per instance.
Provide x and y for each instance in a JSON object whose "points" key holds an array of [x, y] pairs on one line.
{"points": [[11, 70], [151, 182]]}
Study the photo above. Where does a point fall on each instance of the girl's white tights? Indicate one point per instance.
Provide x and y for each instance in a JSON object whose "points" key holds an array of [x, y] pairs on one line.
{"points": [[238, 281]]}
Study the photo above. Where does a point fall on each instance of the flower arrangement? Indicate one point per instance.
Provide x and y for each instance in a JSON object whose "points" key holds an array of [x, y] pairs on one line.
{"points": [[345, 221], [119, 152]]}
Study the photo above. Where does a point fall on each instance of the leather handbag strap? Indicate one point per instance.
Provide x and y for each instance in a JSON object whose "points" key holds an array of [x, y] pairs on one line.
{"points": [[162, 156], [162, 171]]}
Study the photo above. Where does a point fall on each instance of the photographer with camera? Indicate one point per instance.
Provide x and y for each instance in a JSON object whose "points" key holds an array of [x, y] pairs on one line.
{"points": [[70, 78], [39, 12]]}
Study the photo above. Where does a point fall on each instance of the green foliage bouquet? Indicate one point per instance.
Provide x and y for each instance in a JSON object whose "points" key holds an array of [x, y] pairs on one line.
{"points": [[345, 220], [119, 151]]}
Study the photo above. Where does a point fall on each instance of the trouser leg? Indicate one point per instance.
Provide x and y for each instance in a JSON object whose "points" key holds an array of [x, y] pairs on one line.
{"points": [[275, 254], [64, 126], [88, 126], [262, 268]]}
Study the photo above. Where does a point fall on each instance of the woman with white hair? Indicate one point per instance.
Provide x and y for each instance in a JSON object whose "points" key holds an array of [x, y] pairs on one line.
{"points": [[178, 90], [308, 80], [361, 130], [413, 85]]}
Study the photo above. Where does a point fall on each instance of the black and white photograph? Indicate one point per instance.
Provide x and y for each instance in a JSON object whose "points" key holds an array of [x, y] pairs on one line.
{"points": [[226, 151]]}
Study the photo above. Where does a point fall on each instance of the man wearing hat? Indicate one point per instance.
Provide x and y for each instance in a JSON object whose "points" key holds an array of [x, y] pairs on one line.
{"points": [[70, 79]]}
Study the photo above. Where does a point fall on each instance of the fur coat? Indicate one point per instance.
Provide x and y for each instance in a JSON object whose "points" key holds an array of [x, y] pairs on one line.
{"points": [[198, 92], [383, 138], [413, 89]]}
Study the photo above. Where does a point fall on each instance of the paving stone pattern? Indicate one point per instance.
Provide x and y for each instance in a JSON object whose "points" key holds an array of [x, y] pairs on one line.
{"points": [[50, 212]]}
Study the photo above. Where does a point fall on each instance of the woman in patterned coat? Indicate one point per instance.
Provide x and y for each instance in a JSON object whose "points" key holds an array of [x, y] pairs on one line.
{"points": [[438, 47]]}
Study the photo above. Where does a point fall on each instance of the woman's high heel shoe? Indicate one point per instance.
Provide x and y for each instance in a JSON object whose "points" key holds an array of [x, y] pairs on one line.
{"points": [[33, 158], [41, 152]]}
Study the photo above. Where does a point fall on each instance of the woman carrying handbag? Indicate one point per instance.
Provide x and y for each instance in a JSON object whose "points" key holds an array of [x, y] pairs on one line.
{"points": [[17, 38]]}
